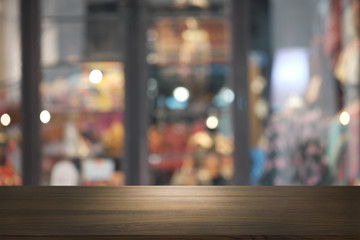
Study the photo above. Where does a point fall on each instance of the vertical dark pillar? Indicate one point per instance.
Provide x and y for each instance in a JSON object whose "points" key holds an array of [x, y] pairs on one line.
{"points": [[240, 34], [135, 151], [31, 75]]}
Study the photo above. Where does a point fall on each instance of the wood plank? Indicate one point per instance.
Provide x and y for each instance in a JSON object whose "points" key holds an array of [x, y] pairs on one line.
{"points": [[182, 191], [179, 211], [263, 237]]}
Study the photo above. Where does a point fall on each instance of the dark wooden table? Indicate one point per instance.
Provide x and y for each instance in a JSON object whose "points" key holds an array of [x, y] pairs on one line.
{"points": [[179, 213]]}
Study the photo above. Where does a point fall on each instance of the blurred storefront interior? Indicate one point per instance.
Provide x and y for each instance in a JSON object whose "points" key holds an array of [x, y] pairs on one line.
{"points": [[179, 92]]}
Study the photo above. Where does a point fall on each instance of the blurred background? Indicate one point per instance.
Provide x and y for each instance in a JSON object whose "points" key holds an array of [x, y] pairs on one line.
{"points": [[179, 92]]}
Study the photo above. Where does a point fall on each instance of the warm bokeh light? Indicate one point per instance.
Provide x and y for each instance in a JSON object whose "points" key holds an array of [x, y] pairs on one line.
{"points": [[95, 76], [212, 122], [344, 118], [181, 94], [45, 116], [5, 119]]}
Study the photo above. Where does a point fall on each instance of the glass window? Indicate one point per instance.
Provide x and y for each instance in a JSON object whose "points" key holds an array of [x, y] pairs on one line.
{"points": [[10, 94], [82, 93], [190, 133]]}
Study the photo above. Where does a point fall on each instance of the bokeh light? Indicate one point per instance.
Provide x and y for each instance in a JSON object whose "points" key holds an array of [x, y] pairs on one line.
{"points": [[45, 116], [5, 119], [344, 118], [212, 122], [95, 76], [181, 94]]}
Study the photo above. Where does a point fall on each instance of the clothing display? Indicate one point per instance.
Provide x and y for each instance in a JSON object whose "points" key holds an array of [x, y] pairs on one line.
{"points": [[345, 150], [336, 151], [354, 144], [343, 147], [296, 149], [258, 159], [307, 147], [332, 35], [190, 53]]}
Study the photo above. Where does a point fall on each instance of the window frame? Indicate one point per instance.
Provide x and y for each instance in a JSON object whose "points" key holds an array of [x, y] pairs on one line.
{"points": [[135, 149]]}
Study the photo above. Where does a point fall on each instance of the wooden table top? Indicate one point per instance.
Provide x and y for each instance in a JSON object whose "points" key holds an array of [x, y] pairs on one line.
{"points": [[176, 212]]}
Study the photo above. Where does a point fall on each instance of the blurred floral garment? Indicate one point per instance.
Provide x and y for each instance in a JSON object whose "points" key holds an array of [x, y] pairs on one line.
{"points": [[296, 149]]}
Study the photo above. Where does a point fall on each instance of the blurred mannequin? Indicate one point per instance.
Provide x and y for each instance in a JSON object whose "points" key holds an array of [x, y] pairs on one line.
{"points": [[196, 47], [194, 58]]}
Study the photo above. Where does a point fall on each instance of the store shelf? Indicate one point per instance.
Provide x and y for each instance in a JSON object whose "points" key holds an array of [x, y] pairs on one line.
{"points": [[179, 213]]}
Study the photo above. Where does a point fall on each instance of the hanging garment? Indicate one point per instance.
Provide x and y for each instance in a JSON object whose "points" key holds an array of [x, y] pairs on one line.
{"points": [[332, 34], [296, 149]]}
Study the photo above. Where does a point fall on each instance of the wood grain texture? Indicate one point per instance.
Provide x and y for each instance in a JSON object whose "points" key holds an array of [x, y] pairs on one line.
{"points": [[177, 212], [180, 237]]}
